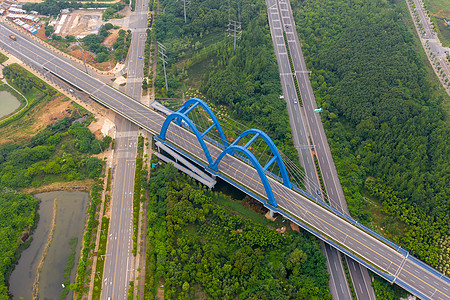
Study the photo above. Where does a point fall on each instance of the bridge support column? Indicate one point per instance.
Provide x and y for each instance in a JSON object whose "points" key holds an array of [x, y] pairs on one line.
{"points": [[271, 213]]}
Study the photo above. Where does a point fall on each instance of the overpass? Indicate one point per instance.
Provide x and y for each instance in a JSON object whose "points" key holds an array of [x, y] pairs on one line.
{"points": [[378, 254]]}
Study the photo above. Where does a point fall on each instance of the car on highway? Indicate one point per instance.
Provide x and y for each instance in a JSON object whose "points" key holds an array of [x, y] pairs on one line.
{"points": [[318, 192], [12, 37]]}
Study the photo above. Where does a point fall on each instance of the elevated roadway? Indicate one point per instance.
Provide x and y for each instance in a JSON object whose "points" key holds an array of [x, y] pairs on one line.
{"points": [[376, 253]]}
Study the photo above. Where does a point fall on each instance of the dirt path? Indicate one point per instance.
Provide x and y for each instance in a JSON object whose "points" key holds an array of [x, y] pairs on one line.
{"points": [[79, 185]]}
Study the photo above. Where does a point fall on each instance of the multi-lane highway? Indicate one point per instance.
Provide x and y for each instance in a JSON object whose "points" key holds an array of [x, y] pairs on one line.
{"points": [[119, 260], [391, 262], [359, 275], [135, 58], [119, 264], [338, 281]]}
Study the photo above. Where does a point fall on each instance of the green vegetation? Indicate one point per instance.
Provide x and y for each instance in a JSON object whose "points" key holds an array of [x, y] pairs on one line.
{"points": [[242, 84], [112, 12], [130, 291], [140, 184], [17, 216], [439, 11], [34, 89], [3, 58], [386, 291], [53, 7], [382, 117], [93, 43], [53, 155], [84, 270], [59, 153], [122, 44], [349, 278], [100, 260], [199, 249]]}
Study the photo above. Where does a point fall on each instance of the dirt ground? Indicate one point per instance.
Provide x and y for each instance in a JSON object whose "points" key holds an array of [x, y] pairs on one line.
{"points": [[111, 39], [79, 185], [87, 56], [41, 32], [38, 120], [90, 59], [80, 22]]}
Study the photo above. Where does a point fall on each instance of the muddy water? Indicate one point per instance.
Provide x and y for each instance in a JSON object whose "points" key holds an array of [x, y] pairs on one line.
{"points": [[70, 220], [8, 103]]}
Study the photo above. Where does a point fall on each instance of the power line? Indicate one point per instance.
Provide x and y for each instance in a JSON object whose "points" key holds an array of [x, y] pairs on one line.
{"points": [[163, 57], [185, 2], [236, 31]]}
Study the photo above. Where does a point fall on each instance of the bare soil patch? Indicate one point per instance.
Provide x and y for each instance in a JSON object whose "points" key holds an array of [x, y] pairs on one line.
{"points": [[78, 185], [111, 39], [160, 294], [41, 32], [87, 56], [36, 120]]}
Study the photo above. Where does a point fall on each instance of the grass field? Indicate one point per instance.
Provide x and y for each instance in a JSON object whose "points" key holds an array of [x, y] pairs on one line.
{"points": [[3, 58], [440, 9]]}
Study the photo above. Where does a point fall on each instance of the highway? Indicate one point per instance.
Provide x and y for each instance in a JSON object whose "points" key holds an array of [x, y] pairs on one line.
{"points": [[119, 264], [395, 264], [359, 275], [339, 286], [119, 259], [135, 58]]}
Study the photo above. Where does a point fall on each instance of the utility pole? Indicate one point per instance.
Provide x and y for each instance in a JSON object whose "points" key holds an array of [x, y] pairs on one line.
{"points": [[163, 57], [236, 31], [184, 7], [82, 56]]}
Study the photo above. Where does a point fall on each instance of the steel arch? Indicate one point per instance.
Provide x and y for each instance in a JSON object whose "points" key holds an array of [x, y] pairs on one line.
{"points": [[189, 105], [276, 154], [230, 149], [180, 116]]}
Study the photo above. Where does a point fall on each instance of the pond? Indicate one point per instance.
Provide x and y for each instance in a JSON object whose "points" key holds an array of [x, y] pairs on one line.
{"points": [[70, 221], [8, 103]]}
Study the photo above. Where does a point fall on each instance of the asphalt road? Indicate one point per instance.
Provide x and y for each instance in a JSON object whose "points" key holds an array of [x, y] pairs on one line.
{"points": [[119, 265], [428, 32], [135, 58], [433, 42], [396, 264], [339, 287], [359, 275], [119, 259]]}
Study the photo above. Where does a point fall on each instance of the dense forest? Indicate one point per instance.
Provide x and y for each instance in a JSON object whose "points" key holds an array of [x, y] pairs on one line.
{"points": [[383, 118], [17, 218], [200, 249], [244, 83]]}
